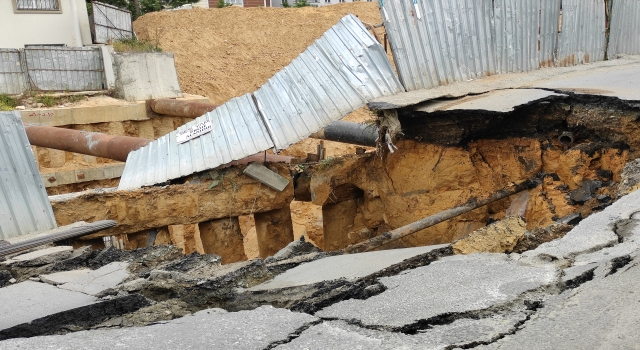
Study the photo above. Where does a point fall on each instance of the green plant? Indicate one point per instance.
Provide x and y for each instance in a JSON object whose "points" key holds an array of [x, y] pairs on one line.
{"points": [[222, 4], [135, 45], [285, 4], [301, 3], [7, 103], [47, 100]]}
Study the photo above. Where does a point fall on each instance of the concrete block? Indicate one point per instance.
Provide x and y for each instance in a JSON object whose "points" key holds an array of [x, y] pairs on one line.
{"points": [[223, 237], [144, 76], [27, 301], [41, 257], [350, 267], [89, 282], [266, 176], [274, 230]]}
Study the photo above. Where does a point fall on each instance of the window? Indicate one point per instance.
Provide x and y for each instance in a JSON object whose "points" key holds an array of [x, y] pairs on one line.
{"points": [[36, 5]]}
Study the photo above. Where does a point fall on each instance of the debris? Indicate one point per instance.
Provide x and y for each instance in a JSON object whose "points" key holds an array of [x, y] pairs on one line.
{"points": [[499, 237], [266, 176], [40, 257]]}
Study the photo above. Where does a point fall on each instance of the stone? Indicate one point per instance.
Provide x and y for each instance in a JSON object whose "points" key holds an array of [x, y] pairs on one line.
{"points": [[5, 278], [223, 237], [452, 285], [296, 248], [274, 230], [585, 192], [499, 237], [211, 329], [90, 282], [27, 301], [350, 267], [41, 257]]}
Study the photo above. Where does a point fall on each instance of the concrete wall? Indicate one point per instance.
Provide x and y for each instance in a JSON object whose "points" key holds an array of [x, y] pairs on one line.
{"points": [[69, 26], [143, 76]]}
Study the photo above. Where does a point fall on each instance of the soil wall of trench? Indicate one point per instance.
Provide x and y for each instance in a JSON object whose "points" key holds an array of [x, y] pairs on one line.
{"points": [[448, 158]]}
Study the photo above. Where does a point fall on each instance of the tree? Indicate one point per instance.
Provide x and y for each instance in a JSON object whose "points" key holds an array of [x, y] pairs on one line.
{"points": [[140, 7]]}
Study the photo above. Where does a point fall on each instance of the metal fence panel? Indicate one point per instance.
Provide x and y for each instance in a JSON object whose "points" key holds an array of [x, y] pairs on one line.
{"points": [[441, 41], [110, 23], [65, 68], [24, 205], [12, 72], [336, 75], [526, 32], [237, 131], [582, 35], [625, 28]]}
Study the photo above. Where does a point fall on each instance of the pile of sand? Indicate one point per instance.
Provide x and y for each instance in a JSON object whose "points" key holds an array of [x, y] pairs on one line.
{"points": [[224, 53]]}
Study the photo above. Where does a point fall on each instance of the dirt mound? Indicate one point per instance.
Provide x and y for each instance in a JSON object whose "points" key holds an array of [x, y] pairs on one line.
{"points": [[223, 53]]}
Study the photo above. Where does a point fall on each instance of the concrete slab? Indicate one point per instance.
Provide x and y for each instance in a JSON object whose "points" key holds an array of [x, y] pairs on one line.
{"points": [[601, 314], [267, 176], [621, 82], [498, 82], [455, 284], [341, 335], [27, 301], [244, 330], [42, 256], [350, 267], [495, 101], [89, 282], [591, 234]]}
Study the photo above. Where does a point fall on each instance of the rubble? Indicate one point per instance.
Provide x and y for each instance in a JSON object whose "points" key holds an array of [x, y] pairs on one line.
{"points": [[499, 237]]}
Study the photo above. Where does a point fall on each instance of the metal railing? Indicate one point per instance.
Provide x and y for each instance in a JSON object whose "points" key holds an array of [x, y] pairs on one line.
{"points": [[38, 5]]}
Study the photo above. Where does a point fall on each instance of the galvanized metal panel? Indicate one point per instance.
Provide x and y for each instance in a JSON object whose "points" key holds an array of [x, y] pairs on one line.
{"points": [[441, 41], [111, 23], [64, 68], [624, 28], [24, 205], [12, 72], [582, 35], [238, 132], [526, 32], [334, 76]]}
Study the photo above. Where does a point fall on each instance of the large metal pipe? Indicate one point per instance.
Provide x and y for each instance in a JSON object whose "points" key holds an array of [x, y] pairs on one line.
{"points": [[435, 219], [89, 143], [349, 132], [181, 108]]}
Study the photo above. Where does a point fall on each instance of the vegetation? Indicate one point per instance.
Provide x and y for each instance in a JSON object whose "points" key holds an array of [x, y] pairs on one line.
{"points": [[135, 45], [222, 3], [7, 103], [301, 3], [140, 7]]}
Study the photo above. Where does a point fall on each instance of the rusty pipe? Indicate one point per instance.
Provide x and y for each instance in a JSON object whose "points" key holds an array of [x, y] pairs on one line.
{"points": [[181, 108], [89, 143]]}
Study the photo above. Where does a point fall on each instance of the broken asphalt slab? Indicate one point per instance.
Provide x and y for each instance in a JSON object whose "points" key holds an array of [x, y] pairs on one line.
{"points": [[502, 101], [348, 266], [449, 286], [88, 281], [41, 257], [600, 314], [27, 301], [591, 234], [260, 328]]}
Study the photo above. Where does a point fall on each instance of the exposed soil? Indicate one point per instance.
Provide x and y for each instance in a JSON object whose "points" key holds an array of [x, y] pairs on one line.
{"points": [[224, 53]]}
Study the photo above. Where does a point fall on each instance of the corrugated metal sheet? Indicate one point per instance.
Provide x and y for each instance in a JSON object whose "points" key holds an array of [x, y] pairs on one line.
{"points": [[12, 72], [582, 35], [526, 33], [110, 23], [24, 205], [65, 68], [339, 73], [334, 76], [625, 28], [440, 41], [237, 132]]}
